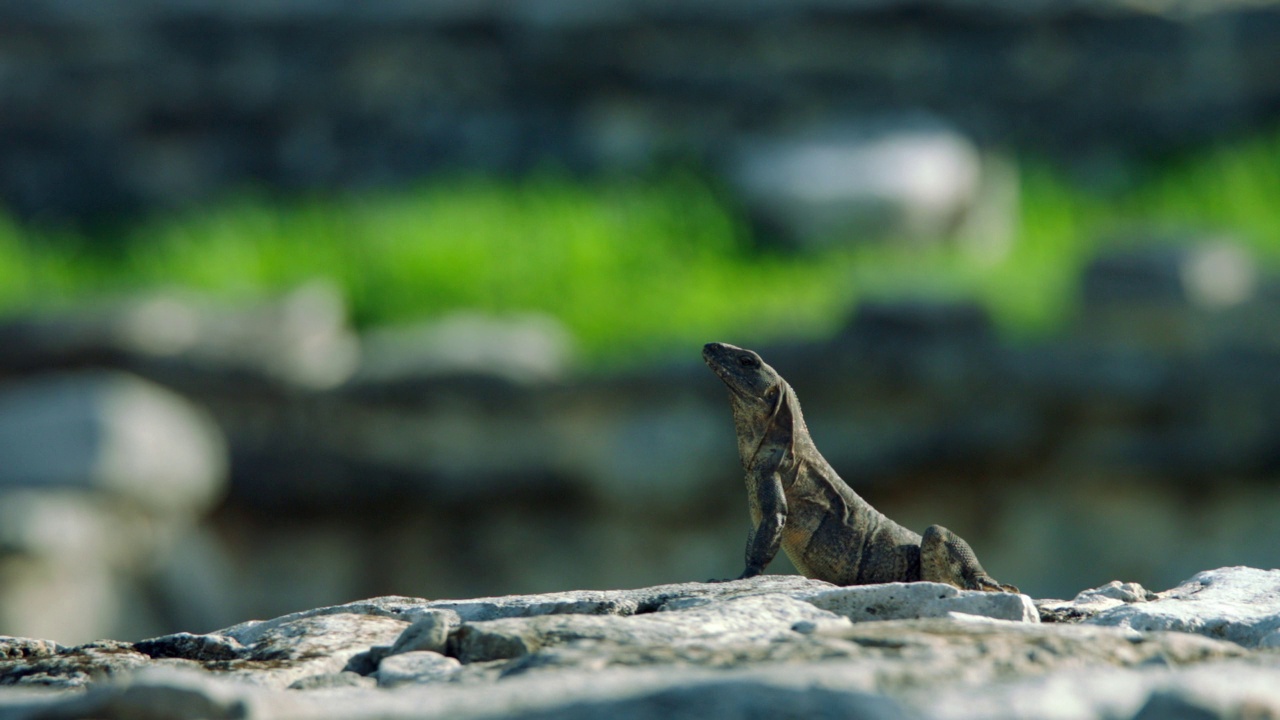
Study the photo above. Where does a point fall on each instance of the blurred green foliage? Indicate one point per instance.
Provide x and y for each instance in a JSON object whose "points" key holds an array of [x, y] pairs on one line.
{"points": [[634, 267]]}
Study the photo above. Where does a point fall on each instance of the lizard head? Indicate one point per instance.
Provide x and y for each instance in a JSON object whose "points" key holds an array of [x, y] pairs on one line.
{"points": [[763, 404], [749, 378]]}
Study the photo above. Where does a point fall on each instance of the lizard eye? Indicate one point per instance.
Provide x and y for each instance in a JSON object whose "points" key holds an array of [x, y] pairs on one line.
{"points": [[748, 361]]}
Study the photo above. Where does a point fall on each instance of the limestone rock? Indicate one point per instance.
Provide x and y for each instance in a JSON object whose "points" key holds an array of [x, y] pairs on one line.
{"points": [[1239, 604], [171, 693], [328, 681], [754, 618], [405, 609], [743, 649], [909, 180], [418, 666], [114, 433], [71, 667], [523, 349], [193, 647], [300, 339], [1091, 602], [17, 648], [314, 645], [429, 633], [627, 602], [895, 601]]}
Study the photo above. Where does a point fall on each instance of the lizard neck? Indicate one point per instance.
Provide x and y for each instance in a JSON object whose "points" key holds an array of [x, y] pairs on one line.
{"points": [[767, 439]]}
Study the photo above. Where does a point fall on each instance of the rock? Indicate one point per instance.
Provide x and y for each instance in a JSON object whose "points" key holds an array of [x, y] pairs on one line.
{"points": [[1218, 696], [746, 618], [113, 433], [895, 601], [192, 647], [419, 666], [404, 609], [1091, 602], [1221, 689], [747, 648], [523, 349], [73, 667], [102, 479], [627, 602], [300, 340], [328, 681], [1239, 604], [1178, 295], [429, 633], [170, 693], [316, 645], [1192, 271], [905, 181], [14, 648]]}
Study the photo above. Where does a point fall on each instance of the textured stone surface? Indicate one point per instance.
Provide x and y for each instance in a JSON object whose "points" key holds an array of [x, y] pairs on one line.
{"points": [[1239, 604], [418, 666], [894, 601], [746, 649], [1088, 603]]}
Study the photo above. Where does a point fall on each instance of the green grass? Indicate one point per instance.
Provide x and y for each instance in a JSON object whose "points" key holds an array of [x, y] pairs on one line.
{"points": [[634, 267]]}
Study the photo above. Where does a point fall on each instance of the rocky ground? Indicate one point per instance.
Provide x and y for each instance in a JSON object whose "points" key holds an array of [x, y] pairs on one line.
{"points": [[771, 646]]}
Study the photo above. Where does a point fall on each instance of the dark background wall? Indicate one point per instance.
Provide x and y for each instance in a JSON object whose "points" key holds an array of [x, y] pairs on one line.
{"points": [[157, 103]]}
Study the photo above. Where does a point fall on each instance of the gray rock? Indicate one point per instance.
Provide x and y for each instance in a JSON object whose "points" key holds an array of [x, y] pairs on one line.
{"points": [[895, 601], [404, 609], [316, 645], [429, 633], [300, 339], [192, 647], [1088, 603], [64, 558], [70, 667], [113, 433], [1216, 689], [328, 681], [752, 618], [158, 692], [910, 180], [748, 648], [523, 349], [418, 666], [277, 654], [627, 602], [1239, 604], [1175, 271], [13, 648]]}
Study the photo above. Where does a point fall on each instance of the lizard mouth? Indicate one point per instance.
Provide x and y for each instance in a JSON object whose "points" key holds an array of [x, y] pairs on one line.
{"points": [[711, 356]]}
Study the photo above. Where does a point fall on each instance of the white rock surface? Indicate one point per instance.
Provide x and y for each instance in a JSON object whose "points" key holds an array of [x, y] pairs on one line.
{"points": [[895, 601], [1239, 604], [745, 649], [418, 666]]}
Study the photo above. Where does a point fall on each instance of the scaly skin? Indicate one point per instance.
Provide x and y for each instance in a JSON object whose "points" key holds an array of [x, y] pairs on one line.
{"points": [[799, 504]]}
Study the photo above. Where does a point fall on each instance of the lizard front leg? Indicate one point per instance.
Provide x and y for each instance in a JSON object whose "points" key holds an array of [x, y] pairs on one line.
{"points": [[766, 496]]}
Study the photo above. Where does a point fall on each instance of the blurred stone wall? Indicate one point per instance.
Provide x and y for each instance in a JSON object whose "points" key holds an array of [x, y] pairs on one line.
{"points": [[155, 102], [463, 459]]}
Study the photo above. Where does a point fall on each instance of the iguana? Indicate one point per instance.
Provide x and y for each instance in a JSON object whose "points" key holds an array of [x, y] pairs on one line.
{"points": [[800, 504]]}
